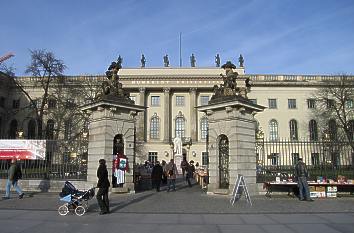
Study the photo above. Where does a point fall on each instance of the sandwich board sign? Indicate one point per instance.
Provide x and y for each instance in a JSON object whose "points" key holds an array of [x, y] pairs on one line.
{"points": [[239, 189]]}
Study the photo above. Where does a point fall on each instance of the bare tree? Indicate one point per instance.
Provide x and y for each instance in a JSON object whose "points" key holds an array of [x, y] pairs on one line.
{"points": [[335, 108], [46, 67]]}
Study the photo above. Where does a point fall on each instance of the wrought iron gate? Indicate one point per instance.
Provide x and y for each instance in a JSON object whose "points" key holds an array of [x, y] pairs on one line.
{"points": [[224, 178]]}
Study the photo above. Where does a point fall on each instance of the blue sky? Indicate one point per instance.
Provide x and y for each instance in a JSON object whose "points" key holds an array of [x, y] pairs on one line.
{"points": [[274, 36]]}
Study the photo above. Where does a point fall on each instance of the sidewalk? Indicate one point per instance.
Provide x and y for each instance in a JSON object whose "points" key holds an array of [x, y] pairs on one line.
{"points": [[187, 200]]}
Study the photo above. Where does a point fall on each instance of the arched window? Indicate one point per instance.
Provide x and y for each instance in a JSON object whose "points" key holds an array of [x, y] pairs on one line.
{"points": [[13, 129], [204, 127], [313, 130], [293, 130], [180, 125], [155, 127], [50, 129], [332, 127], [351, 130], [273, 129], [31, 129]]}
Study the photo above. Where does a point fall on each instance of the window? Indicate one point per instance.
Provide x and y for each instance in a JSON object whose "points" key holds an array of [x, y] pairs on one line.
{"points": [[291, 103], [179, 100], [70, 103], [13, 129], [313, 130], [330, 103], [67, 129], [155, 100], [293, 130], [273, 130], [351, 130], [31, 129], [272, 103], [274, 158], [295, 157], [16, 104], [332, 126], [180, 126], [311, 103], [335, 159], [133, 98], [155, 127], [205, 158], [204, 100], [2, 102], [152, 157], [315, 159], [349, 104], [50, 129], [253, 101], [204, 128], [52, 103]]}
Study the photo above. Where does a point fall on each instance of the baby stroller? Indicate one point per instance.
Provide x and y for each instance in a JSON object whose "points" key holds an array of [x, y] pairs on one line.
{"points": [[74, 199]]}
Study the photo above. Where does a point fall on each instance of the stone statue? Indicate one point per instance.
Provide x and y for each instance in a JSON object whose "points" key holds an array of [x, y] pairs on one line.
{"points": [[119, 61], [193, 60], [142, 60], [166, 61], [217, 60], [177, 145], [240, 60]]}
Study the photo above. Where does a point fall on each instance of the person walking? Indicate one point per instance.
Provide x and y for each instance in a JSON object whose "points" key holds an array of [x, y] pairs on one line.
{"points": [[103, 186], [156, 176], [190, 172], [164, 174], [184, 165], [301, 175], [171, 175], [14, 174]]}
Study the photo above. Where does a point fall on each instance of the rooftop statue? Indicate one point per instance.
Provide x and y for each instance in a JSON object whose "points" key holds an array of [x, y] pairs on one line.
{"points": [[240, 60], [166, 61], [142, 60], [217, 60], [193, 60]]}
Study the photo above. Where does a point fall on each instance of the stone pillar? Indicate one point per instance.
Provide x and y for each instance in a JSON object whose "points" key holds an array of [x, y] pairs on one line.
{"points": [[193, 114], [167, 115], [234, 118], [141, 123]]}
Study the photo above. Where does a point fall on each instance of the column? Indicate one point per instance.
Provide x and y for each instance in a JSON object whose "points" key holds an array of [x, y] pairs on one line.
{"points": [[167, 115], [141, 122], [193, 113]]}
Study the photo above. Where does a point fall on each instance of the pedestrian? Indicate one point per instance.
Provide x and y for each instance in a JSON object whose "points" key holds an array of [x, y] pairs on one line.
{"points": [[14, 174], [190, 172], [171, 175], [164, 175], [301, 175], [103, 186], [184, 165], [156, 176]]}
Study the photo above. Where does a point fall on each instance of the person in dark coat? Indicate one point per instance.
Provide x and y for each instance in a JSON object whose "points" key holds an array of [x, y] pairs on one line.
{"points": [[190, 172], [156, 176], [301, 175], [103, 186]]}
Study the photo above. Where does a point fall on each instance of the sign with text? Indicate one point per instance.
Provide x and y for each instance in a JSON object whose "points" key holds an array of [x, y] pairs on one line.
{"points": [[22, 149]]}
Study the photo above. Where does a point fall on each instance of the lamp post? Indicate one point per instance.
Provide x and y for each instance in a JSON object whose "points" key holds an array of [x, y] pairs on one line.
{"points": [[325, 140]]}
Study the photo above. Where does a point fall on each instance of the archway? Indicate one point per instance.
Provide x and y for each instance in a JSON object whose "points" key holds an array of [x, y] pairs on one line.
{"points": [[224, 177], [118, 151]]}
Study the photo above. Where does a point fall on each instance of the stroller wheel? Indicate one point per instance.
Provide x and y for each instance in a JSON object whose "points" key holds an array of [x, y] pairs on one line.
{"points": [[63, 210], [80, 210]]}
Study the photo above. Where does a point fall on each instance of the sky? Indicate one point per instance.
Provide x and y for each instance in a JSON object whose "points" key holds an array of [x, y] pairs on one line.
{"points": [[274, 36]]}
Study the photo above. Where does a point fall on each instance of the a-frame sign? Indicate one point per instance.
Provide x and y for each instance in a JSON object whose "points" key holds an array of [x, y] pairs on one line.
{"points": [[239, 189]]}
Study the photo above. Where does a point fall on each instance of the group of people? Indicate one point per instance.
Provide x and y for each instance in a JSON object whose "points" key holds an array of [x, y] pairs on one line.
{"points": [[166, 173]]}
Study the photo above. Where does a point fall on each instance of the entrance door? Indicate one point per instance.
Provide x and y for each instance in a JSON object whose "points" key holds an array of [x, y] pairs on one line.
{"points": [[224, 162]]}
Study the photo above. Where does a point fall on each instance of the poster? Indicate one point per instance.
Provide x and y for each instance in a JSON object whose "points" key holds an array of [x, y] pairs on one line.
{"points": [[22, 149]]}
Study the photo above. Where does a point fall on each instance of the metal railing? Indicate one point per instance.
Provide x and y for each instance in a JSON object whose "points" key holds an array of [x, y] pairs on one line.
{"points": [[323, 158], [64, 160]]}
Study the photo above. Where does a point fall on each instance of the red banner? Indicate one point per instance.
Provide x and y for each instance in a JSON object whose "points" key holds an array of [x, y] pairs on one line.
{"points": [[22, 149]]}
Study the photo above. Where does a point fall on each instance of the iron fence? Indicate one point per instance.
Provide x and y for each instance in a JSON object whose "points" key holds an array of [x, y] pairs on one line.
{"points": [[65, 159], [323, 158]]}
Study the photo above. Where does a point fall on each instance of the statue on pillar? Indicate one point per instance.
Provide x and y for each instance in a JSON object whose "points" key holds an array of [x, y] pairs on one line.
{"points": [[240, 60], [193, 60], [177, 145]]}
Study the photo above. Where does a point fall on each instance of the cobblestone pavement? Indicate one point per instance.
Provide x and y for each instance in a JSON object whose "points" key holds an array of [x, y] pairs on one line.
{"points": [[186, 210]]}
